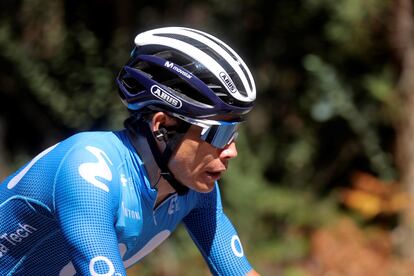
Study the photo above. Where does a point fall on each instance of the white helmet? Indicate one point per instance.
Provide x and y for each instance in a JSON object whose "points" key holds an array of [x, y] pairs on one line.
{"points": [[188, 72]]}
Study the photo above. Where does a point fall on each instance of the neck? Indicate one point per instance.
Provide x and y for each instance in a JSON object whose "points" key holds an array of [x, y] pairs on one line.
{"points": [[156, 181]]}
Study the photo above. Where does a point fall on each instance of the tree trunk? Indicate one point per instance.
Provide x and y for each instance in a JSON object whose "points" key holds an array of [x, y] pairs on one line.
{"points": [[402, 38]]}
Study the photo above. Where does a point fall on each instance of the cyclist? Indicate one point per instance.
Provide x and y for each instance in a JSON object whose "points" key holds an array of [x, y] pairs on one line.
{"points": [[98, 202]]}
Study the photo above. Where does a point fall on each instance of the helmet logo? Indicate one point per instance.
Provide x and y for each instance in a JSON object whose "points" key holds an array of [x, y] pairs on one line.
{"points": [[165, 96], [177, 69], [228, 82]]}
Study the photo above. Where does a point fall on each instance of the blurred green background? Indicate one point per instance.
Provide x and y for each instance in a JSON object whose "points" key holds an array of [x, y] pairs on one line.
{"points": [[323, 180]]}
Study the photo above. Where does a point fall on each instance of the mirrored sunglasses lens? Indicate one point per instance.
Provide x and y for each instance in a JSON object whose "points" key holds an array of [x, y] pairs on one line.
{"points": [[220, 135]]}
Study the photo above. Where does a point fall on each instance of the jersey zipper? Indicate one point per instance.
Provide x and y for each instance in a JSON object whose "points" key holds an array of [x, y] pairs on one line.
{"points": [[154, 210]]}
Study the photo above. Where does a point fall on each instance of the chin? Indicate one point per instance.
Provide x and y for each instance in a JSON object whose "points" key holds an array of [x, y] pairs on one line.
{"points": [[204, 187]]}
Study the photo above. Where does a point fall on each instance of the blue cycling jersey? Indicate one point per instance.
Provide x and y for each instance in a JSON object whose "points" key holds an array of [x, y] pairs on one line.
{"points": [[85, 206]]}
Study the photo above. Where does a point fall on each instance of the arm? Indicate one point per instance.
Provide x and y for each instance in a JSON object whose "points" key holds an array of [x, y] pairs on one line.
{"points": [[252, 273], [83, 203], [217, 239]]}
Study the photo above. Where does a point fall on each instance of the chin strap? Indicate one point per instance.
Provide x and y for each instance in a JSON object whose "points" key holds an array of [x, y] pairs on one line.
{"points": [[172, 140]]}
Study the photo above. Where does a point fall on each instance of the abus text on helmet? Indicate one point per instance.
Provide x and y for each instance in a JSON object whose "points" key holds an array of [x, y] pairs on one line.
{"points": [[165, 96], [229, 83]]}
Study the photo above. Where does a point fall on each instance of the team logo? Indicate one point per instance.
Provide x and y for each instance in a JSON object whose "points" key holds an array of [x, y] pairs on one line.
{"points": [[165, 96], [177, 69], [228, 82], [93, 172]]}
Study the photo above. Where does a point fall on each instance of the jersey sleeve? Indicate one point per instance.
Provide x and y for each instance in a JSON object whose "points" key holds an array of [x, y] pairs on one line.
{"points": [[216, 237], [84, 206]]}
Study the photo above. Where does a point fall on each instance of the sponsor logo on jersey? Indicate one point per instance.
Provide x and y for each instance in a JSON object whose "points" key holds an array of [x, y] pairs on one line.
{"points": [[8, 240], [177, 69], [135, 215], [102, 259], [165, 96], [174, 207], [236, 246], [90, 171], [228, 82], [123, 180]]}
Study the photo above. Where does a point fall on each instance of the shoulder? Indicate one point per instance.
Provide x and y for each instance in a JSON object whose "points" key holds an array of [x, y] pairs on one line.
{"points": [[104, 143], [92, 157], [91, 137], [89, 168]]}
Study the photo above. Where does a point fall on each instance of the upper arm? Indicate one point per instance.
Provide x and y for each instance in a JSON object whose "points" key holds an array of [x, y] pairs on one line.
{"points": [[217, 238], [84, 210]]}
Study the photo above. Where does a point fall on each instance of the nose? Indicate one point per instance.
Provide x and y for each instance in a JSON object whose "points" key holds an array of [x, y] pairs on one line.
{"points": [[229, 151]]}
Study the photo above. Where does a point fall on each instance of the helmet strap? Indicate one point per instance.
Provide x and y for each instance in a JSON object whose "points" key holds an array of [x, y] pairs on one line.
{"points": [[172, 140]]}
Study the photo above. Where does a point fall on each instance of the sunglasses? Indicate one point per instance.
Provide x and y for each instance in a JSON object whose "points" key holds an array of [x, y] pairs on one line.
{"points": [[219, 134]]}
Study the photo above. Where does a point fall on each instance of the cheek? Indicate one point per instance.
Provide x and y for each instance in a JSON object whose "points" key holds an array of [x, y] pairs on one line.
{"points": [[190, 159], [184, 160]]}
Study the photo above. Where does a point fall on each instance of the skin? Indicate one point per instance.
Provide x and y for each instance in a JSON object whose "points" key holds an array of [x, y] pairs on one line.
{"points": [[252, 273]]}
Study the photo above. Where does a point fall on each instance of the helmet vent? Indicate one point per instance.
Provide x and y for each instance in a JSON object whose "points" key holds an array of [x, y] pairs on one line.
{"points": [[133, 86], [216, 56]]}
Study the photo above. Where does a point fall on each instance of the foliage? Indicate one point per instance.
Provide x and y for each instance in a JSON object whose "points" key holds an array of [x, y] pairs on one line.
{"points": [[325, 109]]}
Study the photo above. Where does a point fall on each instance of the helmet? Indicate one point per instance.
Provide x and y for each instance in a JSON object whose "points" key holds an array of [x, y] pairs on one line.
{"points": [[187, 72], [191, 75]]}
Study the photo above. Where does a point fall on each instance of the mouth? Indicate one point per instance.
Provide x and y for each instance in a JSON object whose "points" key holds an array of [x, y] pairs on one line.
{"points": [[215, 175]]}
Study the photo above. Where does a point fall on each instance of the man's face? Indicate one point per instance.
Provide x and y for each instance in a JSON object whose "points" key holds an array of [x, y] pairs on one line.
{"points": [[197, 164]]}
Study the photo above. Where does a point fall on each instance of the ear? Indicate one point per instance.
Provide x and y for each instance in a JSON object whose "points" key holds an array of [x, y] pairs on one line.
{"points": [[161, 119]]}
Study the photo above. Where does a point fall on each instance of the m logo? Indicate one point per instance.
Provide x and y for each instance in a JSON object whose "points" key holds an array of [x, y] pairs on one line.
{"points": [[169, 64], [228, 82], [90, 171], [178, 69], [165, 96]]}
